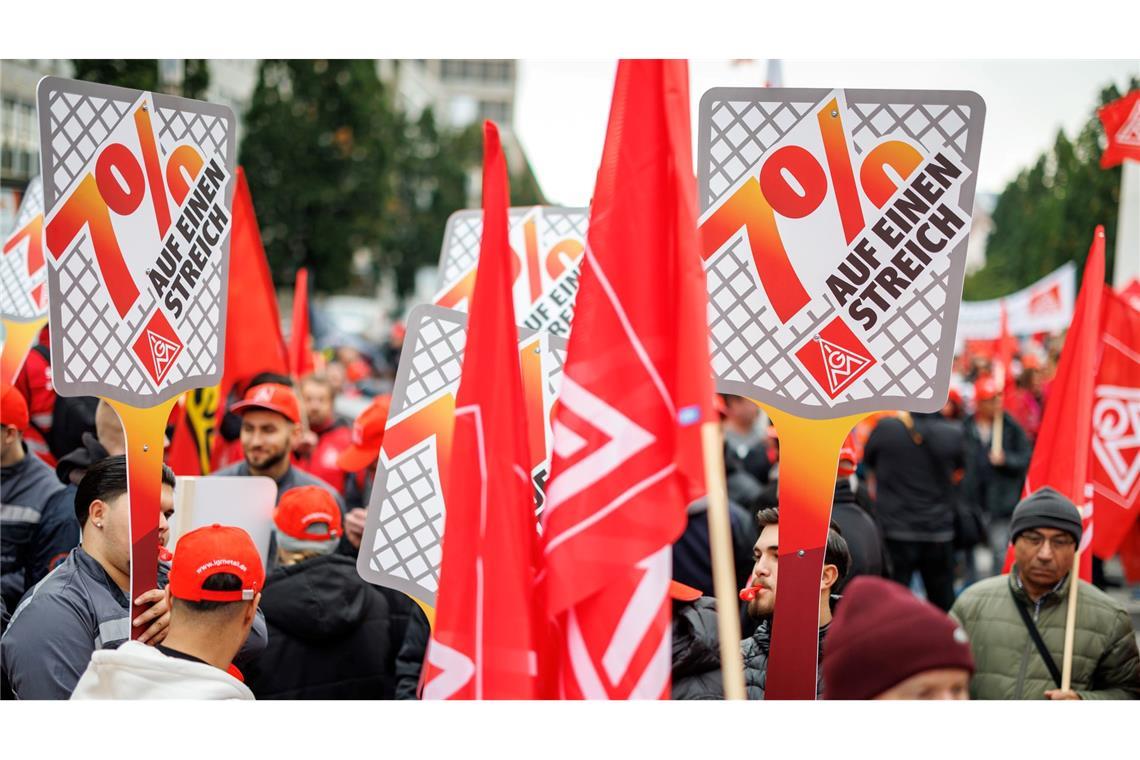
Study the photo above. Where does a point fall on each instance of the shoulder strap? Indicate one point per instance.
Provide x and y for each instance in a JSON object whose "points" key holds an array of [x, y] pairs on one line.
{"points": [[1036, 636]]}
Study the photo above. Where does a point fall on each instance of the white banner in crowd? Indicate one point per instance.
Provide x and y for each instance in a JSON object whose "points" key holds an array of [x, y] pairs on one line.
{"points": [[1045, 306]]}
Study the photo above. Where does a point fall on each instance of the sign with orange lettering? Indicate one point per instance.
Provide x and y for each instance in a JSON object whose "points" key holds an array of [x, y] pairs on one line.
{"points": [[137, 189], [834, 227], [403, 532], [547, 241]]}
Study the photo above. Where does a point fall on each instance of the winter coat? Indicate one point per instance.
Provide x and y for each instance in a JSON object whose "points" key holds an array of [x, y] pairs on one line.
{"points": [[996, 490], [861, 532], [410, 658], [755, 653], [1106, 664], [329, 634], [138, 671], [76, 610], [32, 537], [321, 461], [696, 651]]}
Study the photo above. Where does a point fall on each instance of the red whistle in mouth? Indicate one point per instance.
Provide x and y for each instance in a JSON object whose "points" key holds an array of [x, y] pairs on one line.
{"points": [[749, 594]]}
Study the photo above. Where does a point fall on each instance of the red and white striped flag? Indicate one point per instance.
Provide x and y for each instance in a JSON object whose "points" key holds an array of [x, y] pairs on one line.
{"points": [[637, 384], [483, 645]]}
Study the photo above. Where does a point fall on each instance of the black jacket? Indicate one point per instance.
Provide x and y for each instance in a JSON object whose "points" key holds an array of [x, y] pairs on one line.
{"points": [[914, 498], [329, 635], [696, 651], [862, 534], [33, 538], [755, 653], [410, 658], [996, 490]]}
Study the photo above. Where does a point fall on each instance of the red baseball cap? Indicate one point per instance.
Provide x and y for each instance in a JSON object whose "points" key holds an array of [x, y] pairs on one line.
{"points": [[985, 388], [848, 459], [13, 408], [271, 396], [208, 551], [367, 436], [304, 507], [683, 593]]}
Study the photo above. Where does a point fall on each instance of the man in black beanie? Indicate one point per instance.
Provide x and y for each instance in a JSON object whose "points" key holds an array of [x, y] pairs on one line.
{"points": [[1017, 623]]}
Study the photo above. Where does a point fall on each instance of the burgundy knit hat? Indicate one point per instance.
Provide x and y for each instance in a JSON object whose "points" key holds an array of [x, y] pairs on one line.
{"points": [[882, 635]]}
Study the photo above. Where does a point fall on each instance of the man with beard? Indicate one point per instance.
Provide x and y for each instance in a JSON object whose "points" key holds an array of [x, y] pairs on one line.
{"points": [[270, 428]]}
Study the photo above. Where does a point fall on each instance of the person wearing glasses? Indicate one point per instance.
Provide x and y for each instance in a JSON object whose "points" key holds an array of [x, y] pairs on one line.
{"points": [[1016, 623]]}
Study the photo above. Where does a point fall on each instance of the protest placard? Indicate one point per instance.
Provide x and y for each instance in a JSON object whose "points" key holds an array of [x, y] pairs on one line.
{"points": [[23, 286]]}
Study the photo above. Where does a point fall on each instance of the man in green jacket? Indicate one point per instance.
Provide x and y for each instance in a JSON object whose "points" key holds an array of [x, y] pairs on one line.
{"points": [[1046, 530]]}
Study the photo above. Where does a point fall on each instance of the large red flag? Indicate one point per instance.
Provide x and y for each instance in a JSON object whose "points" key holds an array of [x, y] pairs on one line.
{"points": [[1121, 120], [483, 645], [1116, 427], [1061, 457], [636, 385], [300, 357], [1003, 359]]}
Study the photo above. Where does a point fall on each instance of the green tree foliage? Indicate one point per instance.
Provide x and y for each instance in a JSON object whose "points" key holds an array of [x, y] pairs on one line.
{"points": [[1047, 214], [319, 151], [142, 74]]}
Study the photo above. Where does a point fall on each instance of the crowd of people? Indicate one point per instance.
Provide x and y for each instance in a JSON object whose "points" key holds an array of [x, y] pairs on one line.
{"points": [[905, 611]]}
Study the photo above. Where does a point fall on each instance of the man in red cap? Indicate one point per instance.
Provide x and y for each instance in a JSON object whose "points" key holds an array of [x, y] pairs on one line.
{"points": [[886, 643], [856, 524], [993, 480], [32, 536], [270, 428], [332, 635], [359, 461], [215, 586]]}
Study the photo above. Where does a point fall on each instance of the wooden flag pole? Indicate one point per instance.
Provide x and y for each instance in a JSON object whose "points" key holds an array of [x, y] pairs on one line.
{"points": [[999, 424], [1071, 623], [724, 578]]}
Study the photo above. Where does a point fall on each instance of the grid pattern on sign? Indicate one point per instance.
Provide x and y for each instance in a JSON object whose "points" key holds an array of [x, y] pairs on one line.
{"points": [[15, 283], [200, 322], [740, 133], [461, 250], [95, 354], [78, 126], [745, 344], [407, 542], [435, 363]]}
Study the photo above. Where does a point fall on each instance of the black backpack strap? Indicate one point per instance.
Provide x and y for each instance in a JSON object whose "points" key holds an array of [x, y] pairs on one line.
{"points": [[1036, 636]]}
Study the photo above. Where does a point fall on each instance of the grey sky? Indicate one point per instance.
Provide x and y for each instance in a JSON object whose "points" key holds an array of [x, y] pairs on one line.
{"points": [[563, 106]]}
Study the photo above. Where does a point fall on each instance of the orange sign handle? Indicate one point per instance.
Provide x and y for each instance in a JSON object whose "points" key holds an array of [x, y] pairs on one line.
{"points": [[809, 459], [145, 431], [18, 340]]}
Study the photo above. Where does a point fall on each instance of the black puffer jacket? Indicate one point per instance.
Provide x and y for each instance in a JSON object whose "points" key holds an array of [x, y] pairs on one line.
{"points": [[696, 651], [329, 635], [755, 652]]}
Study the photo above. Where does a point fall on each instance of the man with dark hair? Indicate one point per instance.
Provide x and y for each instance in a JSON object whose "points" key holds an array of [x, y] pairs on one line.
{"points": [[762, 604], [270, 428], [1017, 623], [83, 604], [215, 584], [32, 536]]}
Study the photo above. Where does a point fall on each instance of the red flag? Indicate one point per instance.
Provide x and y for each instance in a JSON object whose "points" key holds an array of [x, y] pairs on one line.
{"points": [[182, 454], [1116, 426], [1131, 293], [1121, 120], [636, 384], [1003, 359], [300, 357], [1061, 457], [483, 645]]}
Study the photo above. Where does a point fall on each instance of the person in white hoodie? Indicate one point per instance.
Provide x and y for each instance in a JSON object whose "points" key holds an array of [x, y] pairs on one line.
{"points": [[215, 586]]}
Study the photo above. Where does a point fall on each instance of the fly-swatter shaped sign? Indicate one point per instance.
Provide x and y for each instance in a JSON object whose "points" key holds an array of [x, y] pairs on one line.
{"points": [[23, 282], [547, 243], [137, 189], [833, 231], [137, 195], [402, 543], [834, 226]]}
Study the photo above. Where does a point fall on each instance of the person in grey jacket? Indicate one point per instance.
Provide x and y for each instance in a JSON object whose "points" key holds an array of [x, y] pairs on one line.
{"points": [[33, 537], [83, 604]]}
